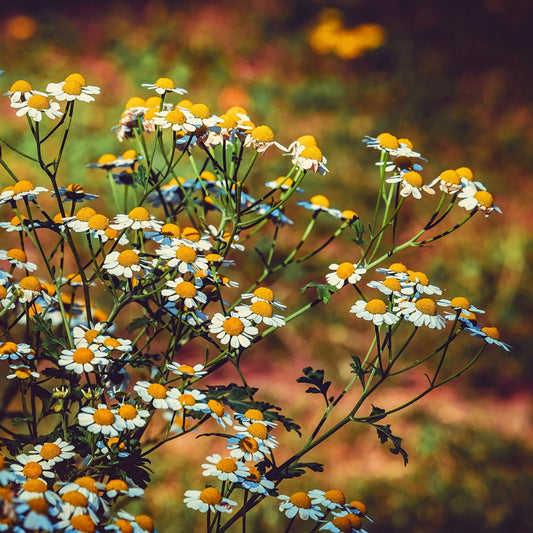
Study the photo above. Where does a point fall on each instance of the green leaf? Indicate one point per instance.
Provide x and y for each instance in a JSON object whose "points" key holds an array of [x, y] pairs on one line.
{"points": [[316, 379], [357, 369], [385, 434], [323, 290]]}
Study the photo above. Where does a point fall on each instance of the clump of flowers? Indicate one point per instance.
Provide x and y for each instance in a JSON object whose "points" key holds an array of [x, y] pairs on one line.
{"points": [[160, 256]]}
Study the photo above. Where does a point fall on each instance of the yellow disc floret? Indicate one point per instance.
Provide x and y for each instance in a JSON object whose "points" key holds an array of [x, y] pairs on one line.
{"points": [[39, 102], [312, 152], [233, 326], [345, 270], [157, 391], [321, 200], [426, 306], [128, 258], [211, 496], [376, 306], [301, 500], [77, 78]]}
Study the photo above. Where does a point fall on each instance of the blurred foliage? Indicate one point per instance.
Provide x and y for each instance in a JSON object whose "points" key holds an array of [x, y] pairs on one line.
{"points": [[455, 77]]}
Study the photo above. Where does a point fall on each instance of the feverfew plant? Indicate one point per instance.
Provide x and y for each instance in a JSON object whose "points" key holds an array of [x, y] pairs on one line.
{"points": [[100, 299]]}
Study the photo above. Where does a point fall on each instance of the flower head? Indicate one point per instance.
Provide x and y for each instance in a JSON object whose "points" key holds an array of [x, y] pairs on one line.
{"points": [[375, 311]]}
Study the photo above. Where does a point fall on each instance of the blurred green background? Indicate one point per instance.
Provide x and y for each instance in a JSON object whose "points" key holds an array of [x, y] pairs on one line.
{"points": [[454, 77]]}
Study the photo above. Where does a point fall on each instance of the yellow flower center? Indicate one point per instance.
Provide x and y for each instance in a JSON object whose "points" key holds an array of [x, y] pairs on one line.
{"points": [[185, 289], [345, 270], [87, 483], [450, 176], [165, 83], [186, 254], [211, 496], [376, 307], [78, 78], [254, 414], [237, 110], [400, 268], [426, 306], [39, 102], [135, 101], [228, 121], [419, 277], [127, 411], [139, 214], [112, 343], [115, 440], [34, 485], [75, 498], [32, 470], [393, 284], [264, 293], [361, 507], [191, 234], [465, 172], [116, 484], [262, 134], [106, 158], [30, 283], [82, 356], [98, 222], [111, 233], [3, 292], [213, 257], [127, 258], [321, 200], [176, 117], [200, 111], [262, 308], [248, 445], [145, 522], [216, 407], [23, 186], [85, 213], [103, 417], [72, 87], [460, 301], [491, 332], [348, 214], [386, 140], [187, 400], [254, 476], [258, 430], [21, 85], [17, 254], [405, 141], [342, 523], [186, 369], [306, 140], [413, 178], [227, 465], [484, 199], [171, 230], [336, 496], [83, 523], [301, 500], [38, 505], [157, 391], [355, 520], [124, 526], [312, 152], [153, 102], [50, 450], [8, 348], [233, 326], [23, 372]]}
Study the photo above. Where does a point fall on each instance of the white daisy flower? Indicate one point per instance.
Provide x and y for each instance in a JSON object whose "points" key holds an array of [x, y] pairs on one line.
{"points": [[344, 523], [80, 221], [490, 335], [392, 145], [217, 411], [344, 273], [132, 417], [421, 312], [31, 467], [21, 90], [31, 289], [192, 400], [22, 372], [461, 306], [101, 420], [392, 285], [311, 159], [74, 87], [164, 85], [411, 184], [302, 142], [137, 218], [117, 487], [257, 483], [191, 237], [202, 113], [232, 330], [225, 469], [259, 432], [34, 515], [84, 335], [35, 106], [252, 416], [158, 395], [261, 138], [83, 359], [246, 448], [331, 499], [283, 183], [184, 258], [18, 258], [178, 120], [420, 282], [319, 203], [186, 291], [22, 189], [126, 263], [299, 504], [187, 371], [374, 311], [37, 488], [260, 312], [79, 523], [449, 181], [208, 499], [14, 352], [54, 452], [475, 196], [265, 294]]}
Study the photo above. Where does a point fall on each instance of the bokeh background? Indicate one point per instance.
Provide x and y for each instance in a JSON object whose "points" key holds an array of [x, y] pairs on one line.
{"points": [[453, 76]]}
